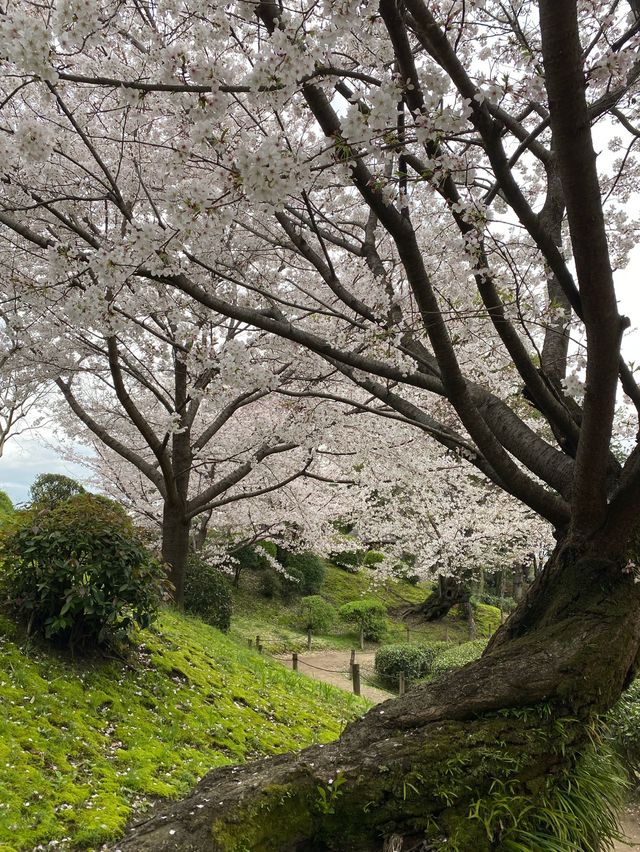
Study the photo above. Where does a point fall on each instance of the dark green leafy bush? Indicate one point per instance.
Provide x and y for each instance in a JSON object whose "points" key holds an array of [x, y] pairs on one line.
{"points": [[348, 560], [369, 616], [54, 488], [207, 593], [457, 656], [77, 572], [317, 614], [415, 661], [270, 584], [306, 570]]}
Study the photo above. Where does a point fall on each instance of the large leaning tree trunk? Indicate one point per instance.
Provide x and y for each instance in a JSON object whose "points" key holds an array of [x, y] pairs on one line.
{"points": [[413, 768], [438, 764], [449, 592]]}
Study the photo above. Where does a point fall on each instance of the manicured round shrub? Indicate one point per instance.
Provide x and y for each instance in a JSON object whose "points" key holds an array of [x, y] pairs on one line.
{"points": [[457, 656], [317, 614], [306, 570], [207, 593], [77, 572], [368, 615], [393, 659]]}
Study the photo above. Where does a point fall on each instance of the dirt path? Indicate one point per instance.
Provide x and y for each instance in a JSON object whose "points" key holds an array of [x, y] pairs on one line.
{"points": [[333, 667], [630, 820]]}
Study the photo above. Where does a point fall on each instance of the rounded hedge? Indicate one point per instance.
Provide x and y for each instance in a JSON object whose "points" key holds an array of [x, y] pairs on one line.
{"points": [[207, 593], [369, 615], [76, 571], [415, 661]]}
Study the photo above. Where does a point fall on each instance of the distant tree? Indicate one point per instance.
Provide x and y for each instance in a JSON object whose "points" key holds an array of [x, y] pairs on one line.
{"points": [[6, 506], [54, 488]]}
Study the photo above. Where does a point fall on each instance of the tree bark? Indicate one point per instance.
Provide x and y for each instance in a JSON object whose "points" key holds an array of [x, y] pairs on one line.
{"points": [[450, 592], [175, 547], [412, 768]]}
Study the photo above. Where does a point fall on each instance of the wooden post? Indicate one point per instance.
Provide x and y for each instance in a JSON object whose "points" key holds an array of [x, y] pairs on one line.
{"points": [[308, 638], [352, 661], [250, 643], [356, 678], [402, 688], [408, 632], [257, 640], [294, 661], [259, 647]]}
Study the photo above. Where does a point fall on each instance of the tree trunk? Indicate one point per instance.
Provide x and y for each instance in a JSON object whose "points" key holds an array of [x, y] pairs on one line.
{"points": [[450, 592], [175, 547], [416, 768]]}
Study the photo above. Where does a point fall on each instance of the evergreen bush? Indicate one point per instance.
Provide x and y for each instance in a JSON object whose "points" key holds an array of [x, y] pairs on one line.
{"points": [[369, 616], [207, 593], [317, 614], [307, 572], [77, 572], [457, 656]]}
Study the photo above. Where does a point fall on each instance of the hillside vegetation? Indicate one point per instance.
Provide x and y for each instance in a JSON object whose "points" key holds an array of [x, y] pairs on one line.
{"points": [[84, 745], [276, 619]]}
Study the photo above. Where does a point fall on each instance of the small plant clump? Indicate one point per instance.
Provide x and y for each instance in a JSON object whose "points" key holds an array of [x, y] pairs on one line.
{"points": [[77, 572], [207, 593]]}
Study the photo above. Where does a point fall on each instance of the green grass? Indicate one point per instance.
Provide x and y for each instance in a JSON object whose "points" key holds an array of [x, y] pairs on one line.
{"points": [[274, 619], [83, 744]]}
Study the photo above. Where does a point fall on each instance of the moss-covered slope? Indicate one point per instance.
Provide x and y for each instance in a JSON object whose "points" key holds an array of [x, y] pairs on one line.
{"points": [[83, 744]]}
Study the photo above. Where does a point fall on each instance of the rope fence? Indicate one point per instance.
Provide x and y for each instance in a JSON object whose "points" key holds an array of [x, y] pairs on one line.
{"points": [[354, 671]]}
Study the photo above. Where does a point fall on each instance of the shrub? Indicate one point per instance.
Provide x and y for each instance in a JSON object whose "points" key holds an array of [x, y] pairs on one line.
{"points": [[457, 656], [393, 659], [207, 593], [270, 584], [306, 570], [373, 558], [317, 614], [78, 572], [370, 617], [54, 488], [348, 560], [624, 729], [415, 661]]}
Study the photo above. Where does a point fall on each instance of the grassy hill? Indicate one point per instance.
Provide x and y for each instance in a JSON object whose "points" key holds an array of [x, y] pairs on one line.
{"points": [[84, 744], [275, 619]]}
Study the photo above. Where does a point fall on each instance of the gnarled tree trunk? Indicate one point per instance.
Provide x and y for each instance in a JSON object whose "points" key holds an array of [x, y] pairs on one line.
{"points": [[412, 768]]}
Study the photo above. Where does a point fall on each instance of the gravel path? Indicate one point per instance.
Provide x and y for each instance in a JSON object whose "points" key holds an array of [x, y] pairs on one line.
{"points": [[333, 667]]}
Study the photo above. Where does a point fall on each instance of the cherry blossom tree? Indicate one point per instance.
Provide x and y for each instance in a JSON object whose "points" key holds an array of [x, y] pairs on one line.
{"points": [[412, 192]]}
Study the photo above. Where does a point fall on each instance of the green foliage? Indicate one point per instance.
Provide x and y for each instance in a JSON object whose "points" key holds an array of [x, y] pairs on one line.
{"points": [[86, 745], [624, 727], [77, 572], [207, 593], [575, 811], [348, 560], [317, 614], [369, 615], [6, 506], [54, 488], [306, 570], [393, 659], [373, 558], [501, 603], [457, 656]]}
